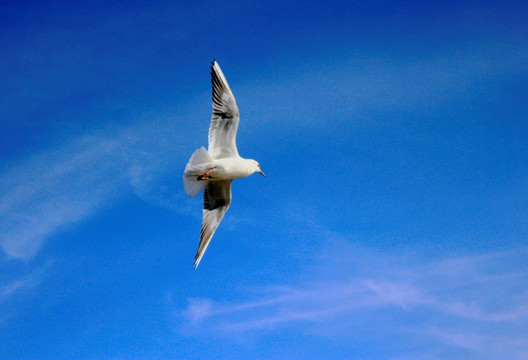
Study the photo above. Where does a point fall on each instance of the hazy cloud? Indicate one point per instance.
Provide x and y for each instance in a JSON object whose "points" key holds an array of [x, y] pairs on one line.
{"points": [[58, 187], [461, 294]]}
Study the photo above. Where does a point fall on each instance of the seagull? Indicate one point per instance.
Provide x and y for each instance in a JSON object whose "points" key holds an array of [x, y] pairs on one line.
{"points": [[216, 168]]}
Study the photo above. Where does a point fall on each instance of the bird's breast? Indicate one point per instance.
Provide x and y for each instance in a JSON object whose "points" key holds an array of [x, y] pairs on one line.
{"points": [[228, 169]]}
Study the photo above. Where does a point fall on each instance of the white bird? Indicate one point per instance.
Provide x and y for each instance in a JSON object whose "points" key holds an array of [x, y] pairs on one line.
{"points": [[216, 168]]}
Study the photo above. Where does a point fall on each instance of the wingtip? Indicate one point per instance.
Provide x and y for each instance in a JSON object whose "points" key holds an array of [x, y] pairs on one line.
{"points": [[213, 65], [197, 259]]}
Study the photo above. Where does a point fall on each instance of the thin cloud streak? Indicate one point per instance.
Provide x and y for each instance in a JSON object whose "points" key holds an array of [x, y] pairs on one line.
{"points": [[420, 291], [18, 282], [484, 346], [51, 190], [10, 289], [333, 300], [361, 84], [62, 186]]}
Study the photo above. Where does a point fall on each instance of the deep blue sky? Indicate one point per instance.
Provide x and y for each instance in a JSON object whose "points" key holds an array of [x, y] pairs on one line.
{"points": [[392, 223]]}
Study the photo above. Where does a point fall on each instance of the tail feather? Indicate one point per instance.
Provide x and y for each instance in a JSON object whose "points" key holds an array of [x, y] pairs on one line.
{"points": [[199, 162], [192, 187]]}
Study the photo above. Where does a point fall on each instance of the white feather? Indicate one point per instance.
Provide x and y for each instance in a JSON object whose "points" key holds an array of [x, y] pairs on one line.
{"points": [[198, 164]]}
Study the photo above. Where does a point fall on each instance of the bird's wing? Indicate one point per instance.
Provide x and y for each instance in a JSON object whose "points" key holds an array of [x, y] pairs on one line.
{"points": [[217, 197], [224, 122]]}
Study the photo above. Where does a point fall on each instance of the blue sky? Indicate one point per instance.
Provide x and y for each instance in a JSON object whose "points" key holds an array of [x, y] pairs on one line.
{"points": [[392, 223]]}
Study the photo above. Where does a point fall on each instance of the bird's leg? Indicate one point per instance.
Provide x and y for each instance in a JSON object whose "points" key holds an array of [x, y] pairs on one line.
{"points": [[205, 176]]}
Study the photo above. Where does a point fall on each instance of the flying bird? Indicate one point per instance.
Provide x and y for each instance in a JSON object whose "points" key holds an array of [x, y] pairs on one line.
{"points": [[216, 168]]}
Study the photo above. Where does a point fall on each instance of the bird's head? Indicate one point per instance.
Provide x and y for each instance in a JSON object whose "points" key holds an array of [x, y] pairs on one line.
{"points": [[256, 167]]}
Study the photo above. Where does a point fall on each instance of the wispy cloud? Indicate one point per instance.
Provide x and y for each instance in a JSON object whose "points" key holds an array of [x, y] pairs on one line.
{"points": [[281, 306], [484, 346], [57, 187], [51, 190], [11, 288], [362, 83], [456, 304], [19, 283], [394, 288], [16, 282]]}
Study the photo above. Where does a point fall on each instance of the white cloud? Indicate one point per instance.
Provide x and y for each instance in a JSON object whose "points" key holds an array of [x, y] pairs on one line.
{"points": [[58, 187], [416, 299], [15, 286], [359, 84], [197, 310], [484, 346], [18, 282]]}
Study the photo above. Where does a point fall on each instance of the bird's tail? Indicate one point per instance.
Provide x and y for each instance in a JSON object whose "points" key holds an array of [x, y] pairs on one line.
{"points": [[198, 164]]}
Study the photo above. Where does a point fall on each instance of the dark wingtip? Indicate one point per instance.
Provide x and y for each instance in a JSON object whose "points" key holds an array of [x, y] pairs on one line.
{"points": [[196, 262]]}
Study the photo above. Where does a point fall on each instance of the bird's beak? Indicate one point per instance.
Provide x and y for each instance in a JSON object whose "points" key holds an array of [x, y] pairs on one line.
{"points": [[261, 173]]}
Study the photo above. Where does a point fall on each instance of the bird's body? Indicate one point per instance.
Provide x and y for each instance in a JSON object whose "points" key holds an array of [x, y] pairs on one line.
{"points": [[232, 168], [215, 169]]}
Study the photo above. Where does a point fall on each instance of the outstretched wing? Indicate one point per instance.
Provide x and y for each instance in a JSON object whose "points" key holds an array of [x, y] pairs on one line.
{"points": [[217, 197], [224, 122]]}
